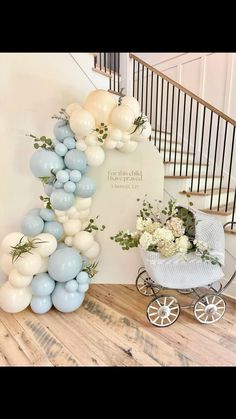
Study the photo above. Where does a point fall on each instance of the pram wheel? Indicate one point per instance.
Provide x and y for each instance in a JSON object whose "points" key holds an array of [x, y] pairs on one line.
{"points": [[163, 311], [144, 284], [209, 308]]}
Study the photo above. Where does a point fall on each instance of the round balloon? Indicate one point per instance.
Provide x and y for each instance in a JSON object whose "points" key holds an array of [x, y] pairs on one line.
{"points": [[6, 263], [83, 240], [93, 251], [83, 203], [19, 281], [83, 287], [42, 284], [76, 160], [48, 188], [54, 228], [122, 117], [46, 245], [64, 264], [142, 133], [12, 239], [81, 145], [32, 225], [34, 211], [65, 301], [82, 122], [73, 107], [129, 147], [44, 265], [28, 264], [91, 139], [62, 130], [69, 143], [82, 277], [43, 162], [62, 200], [132, 103], [100, 103], [72, 227], [41, 305], [14, 300], [95, 156], [71, 286], [47, 214], [86, 187]]}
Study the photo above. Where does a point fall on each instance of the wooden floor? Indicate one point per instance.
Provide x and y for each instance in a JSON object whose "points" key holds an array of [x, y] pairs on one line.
{"points": [[111, 328]]}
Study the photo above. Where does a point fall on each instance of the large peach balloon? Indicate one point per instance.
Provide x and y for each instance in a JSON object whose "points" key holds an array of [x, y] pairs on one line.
{"points": [[132, 103], [122, 117], [100, 104], [13, 300], [82, 122]]}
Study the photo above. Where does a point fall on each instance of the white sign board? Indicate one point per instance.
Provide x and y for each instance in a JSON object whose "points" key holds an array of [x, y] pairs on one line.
{"points": [[120, 181]]}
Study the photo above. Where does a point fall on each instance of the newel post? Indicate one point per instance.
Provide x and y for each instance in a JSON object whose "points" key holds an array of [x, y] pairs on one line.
{"points": [[126, 73]]}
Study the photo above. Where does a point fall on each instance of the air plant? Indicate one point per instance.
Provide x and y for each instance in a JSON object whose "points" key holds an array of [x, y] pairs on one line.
{"points": [[63, 115], [139, 122], [91, 269], [20, 248]]}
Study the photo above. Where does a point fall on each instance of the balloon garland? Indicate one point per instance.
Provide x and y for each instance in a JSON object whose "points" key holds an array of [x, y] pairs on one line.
{"points": [[51, 260]]}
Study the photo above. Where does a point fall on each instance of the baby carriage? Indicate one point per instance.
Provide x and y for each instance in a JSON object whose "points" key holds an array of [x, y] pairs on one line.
{"points": [[192, 276]]}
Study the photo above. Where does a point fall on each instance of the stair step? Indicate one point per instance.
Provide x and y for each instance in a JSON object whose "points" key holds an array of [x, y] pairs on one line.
{"points": [[179, 162], [228, 229], [208, 192], [103, 72], [114, 92], [173, 151], [221, 210], [189, 177]]}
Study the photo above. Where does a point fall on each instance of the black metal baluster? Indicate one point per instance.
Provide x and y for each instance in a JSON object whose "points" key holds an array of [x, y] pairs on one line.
{"points": [[182, 142], [189, 134], [233, 214], [230, 169], [171, 121], [114, 73], [105, 61], [146, 92], [142, 88], [118, 68], [157, 92], [110, 70], [151, 98], [133, 76], [222, 164], [201, 149], [176, 134], [208, 152], [167, 103], [214, 164], [194, 147], [95, 61], [138, 83], [100, 60], [162, 84]]}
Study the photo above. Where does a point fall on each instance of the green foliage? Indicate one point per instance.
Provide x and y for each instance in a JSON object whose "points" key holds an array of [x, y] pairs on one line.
{"points": [[92, 226], [102, 132], [63, 115], [126, 240], [42, 142], [25, 247], [140, 122], [91, 269], [48, 179], [121, 96], [47, 201]]}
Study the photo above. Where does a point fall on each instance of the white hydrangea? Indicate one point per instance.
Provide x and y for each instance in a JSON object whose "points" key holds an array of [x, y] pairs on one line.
{"points": [[152, 227], [162, 234], [175, 224], [167, 248], [201, 246], [145, 240], [182, 244], [141, 224]]}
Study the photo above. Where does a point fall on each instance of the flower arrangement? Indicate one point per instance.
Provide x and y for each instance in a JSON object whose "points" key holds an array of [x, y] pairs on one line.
{"points": [[169, 231]]}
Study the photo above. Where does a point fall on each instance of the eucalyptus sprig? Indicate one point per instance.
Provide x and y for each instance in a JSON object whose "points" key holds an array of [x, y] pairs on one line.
{"points": [[92, 225], [91, 269], [139, 122], [121, 96], [48, 179], [126, 239], [46, 200], [42, 142], [102, 132], [25, 247], [63, 115]]}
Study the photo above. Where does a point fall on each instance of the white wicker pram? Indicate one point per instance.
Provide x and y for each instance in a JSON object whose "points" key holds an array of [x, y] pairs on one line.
{"points": [[186, 276]]}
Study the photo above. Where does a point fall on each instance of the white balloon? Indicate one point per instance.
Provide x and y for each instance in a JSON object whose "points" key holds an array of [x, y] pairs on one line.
{"points": [[119, 144], [129, 147], [84, 214], [85, 225], [48, 245], [69, 241], [142, 133], [44, 265], [75, 216], [83, 240], [73, 107], [63, 218], [109, 144], [28, 264], [82, 122], [122, 117], [72, 210], [13, 300], [59, 212], [72, 227], [80, 145], [115, 134], [100, 103], [12, 239], [83, 203], [19, 281], [93, 251], [6, 263], [132, 103], [91, 139], [95, 156], [125, 137]]}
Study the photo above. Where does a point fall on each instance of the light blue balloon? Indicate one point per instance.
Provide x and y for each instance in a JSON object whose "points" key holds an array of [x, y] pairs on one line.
{"points": [[86, 187], [69, 186], [41, 305], [84, 261], [32, 225], [69, 143], [58, 185], [62, 130], [48, 188], [82, 277], [61, 200], [55, 228], [61, 149], [75, 176], [34, 211], [75, 160], [71, 286], [64, 264], [55, 141], [65, 301], [43, 161], [83, 287], [61, 245], [62, 176], [42, 285], [47, 214]]}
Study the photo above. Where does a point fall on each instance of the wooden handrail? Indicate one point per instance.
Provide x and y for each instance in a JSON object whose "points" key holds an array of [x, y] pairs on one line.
{"points": [[183, 89]]}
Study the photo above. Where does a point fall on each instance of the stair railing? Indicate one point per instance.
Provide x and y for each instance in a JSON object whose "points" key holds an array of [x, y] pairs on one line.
{"points": [[109, 63]]}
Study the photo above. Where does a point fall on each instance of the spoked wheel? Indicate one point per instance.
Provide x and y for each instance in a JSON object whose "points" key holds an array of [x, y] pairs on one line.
{"points": [[209, 308], [145, 284], [163, 311], [185, 291], [141, 269]]}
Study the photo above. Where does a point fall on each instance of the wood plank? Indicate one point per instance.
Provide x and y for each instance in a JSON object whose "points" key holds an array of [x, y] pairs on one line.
{"points": [[11, 351], [207, 193], [102, 72]]}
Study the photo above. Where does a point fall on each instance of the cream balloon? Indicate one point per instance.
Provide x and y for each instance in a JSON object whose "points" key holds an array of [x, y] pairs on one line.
{"points": [[115, 134], [84, 214], [100, 103], [119, 144], [12, 239], [72, 227], [82, 122], [81, 145], [44, 265], [142, 133], [73, 107], [129, 147], [69, 241], [109, 144], [62, 219], [75, 216], [83, 203], [122, 117], [6, 263], [95, 156], [59, 212], [19, 281], [28, 264], [93, 251], [91, 139], [72, 210], [47, 246], [132, 103], [14, 300], [125, 137], [83, 240], [85, 225]]}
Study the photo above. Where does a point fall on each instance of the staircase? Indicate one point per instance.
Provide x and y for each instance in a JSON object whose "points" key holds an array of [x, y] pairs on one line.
{"points": [[196, 140]]}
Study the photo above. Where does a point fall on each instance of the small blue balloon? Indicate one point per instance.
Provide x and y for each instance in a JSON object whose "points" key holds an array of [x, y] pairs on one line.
{"points": [[65, 301], [61, 245], [48, 188], [61, 149], [69, 143], [34, 211], [86, 187], [83, 287], [75, 176], [41, 305], [32, 225], [62, 200], [82, 277], [42, 285], [71, 286], [55, 141], [47, 214], [43, 162], [55, 228], [69, 186], [75, 160], [58, 185], [62, 130], [62, 176], [64, 264]]}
